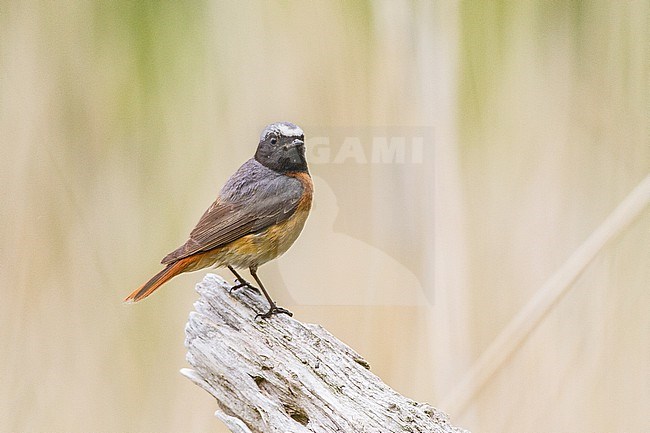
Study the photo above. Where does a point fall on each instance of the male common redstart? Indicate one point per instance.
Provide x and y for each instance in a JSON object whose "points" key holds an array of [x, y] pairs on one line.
{"points": [[257, 216]]}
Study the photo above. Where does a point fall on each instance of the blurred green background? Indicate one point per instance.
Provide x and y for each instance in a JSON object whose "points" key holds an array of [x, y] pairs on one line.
{"points": [[119, 122]]}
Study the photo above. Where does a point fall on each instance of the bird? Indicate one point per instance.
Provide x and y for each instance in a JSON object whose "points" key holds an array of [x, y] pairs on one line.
{"points": [[258, 214]]}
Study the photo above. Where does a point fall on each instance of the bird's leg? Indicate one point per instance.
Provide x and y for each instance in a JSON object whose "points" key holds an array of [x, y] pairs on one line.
{"points": [[240, 282], [274, 309]]}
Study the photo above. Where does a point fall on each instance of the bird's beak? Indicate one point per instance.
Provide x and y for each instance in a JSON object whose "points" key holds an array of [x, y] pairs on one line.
{"points": [[297, 143]]}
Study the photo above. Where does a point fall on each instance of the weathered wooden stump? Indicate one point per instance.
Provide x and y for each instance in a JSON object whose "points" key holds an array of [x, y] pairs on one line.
{"points": [[281, 375]]}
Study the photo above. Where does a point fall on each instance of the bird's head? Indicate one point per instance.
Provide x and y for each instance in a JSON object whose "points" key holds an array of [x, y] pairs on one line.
{"points": [[282, 148]]}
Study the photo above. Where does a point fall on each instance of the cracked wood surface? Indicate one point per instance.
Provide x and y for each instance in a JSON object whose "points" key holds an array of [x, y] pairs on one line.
{"points": [[281, 375]]}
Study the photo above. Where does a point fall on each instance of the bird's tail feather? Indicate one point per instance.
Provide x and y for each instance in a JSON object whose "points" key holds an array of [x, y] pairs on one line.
{"points": [[157, 280]]}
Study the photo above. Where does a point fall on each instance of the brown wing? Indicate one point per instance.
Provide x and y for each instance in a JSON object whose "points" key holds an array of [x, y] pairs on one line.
{"points": [[253, 199]]}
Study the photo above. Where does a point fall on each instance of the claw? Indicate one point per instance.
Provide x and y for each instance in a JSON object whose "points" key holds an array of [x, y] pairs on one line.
{"points": [[274, 310], [241, 284]]}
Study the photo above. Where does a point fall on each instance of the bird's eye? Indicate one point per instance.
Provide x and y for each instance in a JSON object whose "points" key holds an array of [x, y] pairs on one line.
{"points": [[274, 140]]}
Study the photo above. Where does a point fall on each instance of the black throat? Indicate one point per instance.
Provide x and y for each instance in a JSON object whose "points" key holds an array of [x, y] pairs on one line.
{"points": [[293, 162]]}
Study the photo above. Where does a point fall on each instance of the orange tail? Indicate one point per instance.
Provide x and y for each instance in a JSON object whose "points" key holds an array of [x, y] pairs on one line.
{"points": [[157, 280]]}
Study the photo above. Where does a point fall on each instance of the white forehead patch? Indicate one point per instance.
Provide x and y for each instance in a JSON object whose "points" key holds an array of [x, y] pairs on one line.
{"points": [[283, 128]]}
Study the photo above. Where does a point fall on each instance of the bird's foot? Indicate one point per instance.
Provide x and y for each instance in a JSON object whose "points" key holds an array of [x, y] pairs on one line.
{"points": [[274, 310], [243, 283]]}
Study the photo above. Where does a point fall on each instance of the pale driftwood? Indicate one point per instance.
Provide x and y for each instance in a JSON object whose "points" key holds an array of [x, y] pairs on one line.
{"points": [[280, 375]]}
